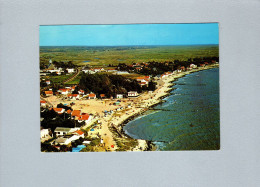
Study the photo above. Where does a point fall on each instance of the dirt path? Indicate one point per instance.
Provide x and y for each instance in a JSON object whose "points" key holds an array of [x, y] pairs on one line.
{"points": [[73, 77]]}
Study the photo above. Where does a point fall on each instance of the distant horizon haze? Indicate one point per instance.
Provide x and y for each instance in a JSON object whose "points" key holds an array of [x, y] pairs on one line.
{"points": [[127, 45]]}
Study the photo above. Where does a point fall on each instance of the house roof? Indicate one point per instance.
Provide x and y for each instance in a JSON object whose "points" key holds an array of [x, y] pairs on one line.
{"points": [[69, 111], [83, 117], [63, 89], [61, 140], [102, 95], [92, 95], [48, 92], [58, 109], [42, 101], [79, 132], [63, 129], [76, 112]]}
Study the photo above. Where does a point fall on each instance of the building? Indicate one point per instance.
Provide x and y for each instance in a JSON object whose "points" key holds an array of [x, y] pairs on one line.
{"points": [[74, 96], [132, 94], [82, 92], [119, 96], [70, 70], [49, 93], [64, 91], [61, 131], [120, 73], [44, 133], [193, 66], [79, 133], [86, 118], [48, 82], [59, 110], [102, 96], [90, 71], [43, 103], [75, 113], [92, 96]]}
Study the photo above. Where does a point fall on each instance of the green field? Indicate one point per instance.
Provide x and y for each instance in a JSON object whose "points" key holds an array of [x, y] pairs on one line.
{"points": [[76, 80], [59, 78], [103, 56]]}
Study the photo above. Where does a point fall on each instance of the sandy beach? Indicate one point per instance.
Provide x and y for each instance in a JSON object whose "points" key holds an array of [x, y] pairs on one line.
{"points": [[130, 108]]}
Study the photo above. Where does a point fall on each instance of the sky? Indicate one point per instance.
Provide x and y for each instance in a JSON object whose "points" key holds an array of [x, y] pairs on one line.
{"points": [[129, 34]]}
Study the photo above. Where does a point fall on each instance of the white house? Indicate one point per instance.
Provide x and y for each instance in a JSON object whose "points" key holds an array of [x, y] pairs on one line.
{"points": [[66, 140], [193, 66], [79, 133], [92, 96], [98, 69], [74, 96], [62, 141], [119, 96], [60, 131], [44, 133], [70, 70], [82, 92], [43, 103], [86, 118], [64, 91], [90, 71], [132, 94], [111, 70], [121, 72], [48, 82]]}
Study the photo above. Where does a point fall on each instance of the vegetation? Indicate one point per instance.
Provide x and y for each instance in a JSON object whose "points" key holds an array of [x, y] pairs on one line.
{"points": [[110, 84], [53, 120], [99, 56], [125, 143]]}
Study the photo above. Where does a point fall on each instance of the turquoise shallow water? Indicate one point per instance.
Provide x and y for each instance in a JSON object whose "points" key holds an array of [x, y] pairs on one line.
{"points": [[189, 119]]}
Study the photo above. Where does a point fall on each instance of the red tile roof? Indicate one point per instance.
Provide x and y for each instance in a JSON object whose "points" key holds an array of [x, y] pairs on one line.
{"points": [[69, 111], [75, 112], [79, 132], [58, 110], [92, 95], [84, 117], [43, 101], [48, 92], [63, 89]]}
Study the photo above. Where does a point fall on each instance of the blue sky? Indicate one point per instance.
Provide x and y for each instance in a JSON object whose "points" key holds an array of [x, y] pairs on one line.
{"points": [[129, 34]]}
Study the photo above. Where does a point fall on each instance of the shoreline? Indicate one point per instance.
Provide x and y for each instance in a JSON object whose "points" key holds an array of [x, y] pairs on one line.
{"points": [[109, 128], [166, 88]]}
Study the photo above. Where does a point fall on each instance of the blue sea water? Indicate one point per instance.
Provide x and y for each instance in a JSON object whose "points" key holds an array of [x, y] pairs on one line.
{"points": [[189, 119]]}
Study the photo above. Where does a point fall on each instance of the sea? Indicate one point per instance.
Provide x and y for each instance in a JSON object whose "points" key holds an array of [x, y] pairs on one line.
{"points": [[188, 119]]}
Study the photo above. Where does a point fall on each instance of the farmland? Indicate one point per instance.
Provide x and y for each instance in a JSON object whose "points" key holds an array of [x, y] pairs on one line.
{"points": [[103, 56]]}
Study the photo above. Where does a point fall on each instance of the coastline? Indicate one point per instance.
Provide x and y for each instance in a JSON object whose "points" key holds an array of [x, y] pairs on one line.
{"points": [[109, 128], [160, 93]]}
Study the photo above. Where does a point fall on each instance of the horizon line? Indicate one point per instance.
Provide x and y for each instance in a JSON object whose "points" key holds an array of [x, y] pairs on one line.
{"points": [[120, 45]]}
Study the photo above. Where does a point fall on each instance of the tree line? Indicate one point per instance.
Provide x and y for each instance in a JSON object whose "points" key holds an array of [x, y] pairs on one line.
{"points": [[110, 85]]}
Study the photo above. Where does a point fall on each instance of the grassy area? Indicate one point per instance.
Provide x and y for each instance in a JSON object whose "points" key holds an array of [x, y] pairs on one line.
{"points": [[98, 56], [59, 78], [76, 80]]}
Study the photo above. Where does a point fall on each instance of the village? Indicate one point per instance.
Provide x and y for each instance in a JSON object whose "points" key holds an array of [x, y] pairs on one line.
{"points": [[74, 119]]}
